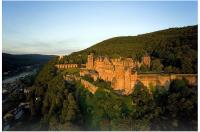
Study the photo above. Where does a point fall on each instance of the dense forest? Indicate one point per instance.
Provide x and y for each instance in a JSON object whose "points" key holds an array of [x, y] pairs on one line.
{"points": [[57, 104], [172, 50], [13, 62]]}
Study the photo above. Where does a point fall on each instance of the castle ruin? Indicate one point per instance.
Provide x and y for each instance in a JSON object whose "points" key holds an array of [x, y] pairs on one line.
{"points": [[121, 72]]}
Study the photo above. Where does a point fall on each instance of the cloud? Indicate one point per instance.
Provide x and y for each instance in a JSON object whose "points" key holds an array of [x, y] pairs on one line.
{"points": [[42, 47]]}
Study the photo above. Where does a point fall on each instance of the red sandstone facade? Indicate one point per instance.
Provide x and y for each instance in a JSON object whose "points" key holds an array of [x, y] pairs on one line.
{"points": [[120, 72]]}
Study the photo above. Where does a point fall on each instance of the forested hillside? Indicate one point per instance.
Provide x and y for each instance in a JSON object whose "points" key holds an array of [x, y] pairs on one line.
{"points": [[176, 49], [12, 62]]}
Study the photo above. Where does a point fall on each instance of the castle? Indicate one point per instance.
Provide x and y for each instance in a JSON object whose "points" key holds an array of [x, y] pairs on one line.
{"points": [[120, 72], [123, 76]]}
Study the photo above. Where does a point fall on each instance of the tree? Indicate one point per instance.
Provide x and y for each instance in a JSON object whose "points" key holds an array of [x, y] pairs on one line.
{"points": [[156, 65], [138, 55], [144, 68], [144, 107], [64, 111], [178, 107], [53, 124], [70, 111], [168, 69], [186, 65]]}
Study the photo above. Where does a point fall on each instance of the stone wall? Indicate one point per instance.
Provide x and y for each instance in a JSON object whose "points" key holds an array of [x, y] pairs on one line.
{"points": [[66, 66], [92, 88], [87, 85], [128, 80], [165, 79]]}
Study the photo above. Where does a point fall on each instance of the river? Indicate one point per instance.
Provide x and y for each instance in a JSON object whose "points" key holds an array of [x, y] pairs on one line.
{"points": [[16, 77]]}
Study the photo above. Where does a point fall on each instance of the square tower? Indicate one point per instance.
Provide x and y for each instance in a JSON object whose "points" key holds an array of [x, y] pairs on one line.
{"points": [[90, 62]]}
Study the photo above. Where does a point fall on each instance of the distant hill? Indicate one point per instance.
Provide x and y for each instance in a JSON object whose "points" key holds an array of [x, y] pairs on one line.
{"points": [[12, 62], [175, 47]]}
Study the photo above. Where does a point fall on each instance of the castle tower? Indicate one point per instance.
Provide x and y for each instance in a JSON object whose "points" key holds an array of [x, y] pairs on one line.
{"points": [[127, 81], [90, 62], [146, 60]]}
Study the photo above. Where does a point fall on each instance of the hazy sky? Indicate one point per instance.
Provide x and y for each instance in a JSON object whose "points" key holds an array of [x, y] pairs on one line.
{"points": [[64, 27]]}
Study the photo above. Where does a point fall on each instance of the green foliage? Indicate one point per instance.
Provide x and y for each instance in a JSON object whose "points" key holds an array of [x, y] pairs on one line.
{"points": [[70, 109], [178, 107], [47, 73], [88, 78], [175, 47], [71, 71], [102, 84], [59, 105], [138, 55], [143, 68], [141, 95], [156, 65], [143, 110], [144, 106], [52, 99], [77, 59]]}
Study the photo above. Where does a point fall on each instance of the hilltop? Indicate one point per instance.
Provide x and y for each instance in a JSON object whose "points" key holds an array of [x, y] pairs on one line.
{"points": [[176, 48]]}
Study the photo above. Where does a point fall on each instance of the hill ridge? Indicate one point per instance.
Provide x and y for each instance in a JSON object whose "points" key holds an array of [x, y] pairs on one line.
{"points": [[176, 48]]}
